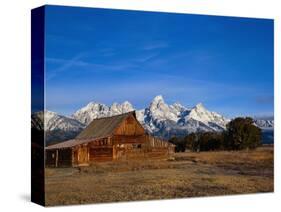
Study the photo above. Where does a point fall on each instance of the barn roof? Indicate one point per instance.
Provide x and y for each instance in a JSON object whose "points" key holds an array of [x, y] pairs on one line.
{"points": [[97, 129], [68, 143], [103, 127]]}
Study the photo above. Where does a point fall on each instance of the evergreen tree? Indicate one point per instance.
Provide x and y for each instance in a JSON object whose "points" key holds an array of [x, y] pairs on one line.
{"points": [[241, 134]]}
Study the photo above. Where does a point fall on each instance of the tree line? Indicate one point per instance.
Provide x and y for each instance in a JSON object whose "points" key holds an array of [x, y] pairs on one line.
{"points": [[240, 134]]}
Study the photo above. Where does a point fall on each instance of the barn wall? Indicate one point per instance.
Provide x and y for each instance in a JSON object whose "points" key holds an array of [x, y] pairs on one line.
{"points": [[100, 150], [128, 146], [159, 148], [129, 126], [144, 146], [118, 147], [128, 151]]}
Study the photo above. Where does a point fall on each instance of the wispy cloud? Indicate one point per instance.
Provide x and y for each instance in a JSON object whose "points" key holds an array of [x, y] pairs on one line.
{"points": [[144, 58], [66, 64], [77, 61], [155, 45]]}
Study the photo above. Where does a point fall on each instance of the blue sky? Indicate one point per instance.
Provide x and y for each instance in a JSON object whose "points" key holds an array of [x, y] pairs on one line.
{"points": [[111, 56]]}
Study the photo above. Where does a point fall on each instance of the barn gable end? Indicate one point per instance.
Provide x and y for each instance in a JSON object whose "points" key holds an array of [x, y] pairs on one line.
{"points": [[129, 127]]}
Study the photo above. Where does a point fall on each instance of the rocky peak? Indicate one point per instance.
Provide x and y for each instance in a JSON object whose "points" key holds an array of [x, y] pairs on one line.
{"points": [[177, 106], [127, 106], [158, 100], [199, 106], [95, 110]]}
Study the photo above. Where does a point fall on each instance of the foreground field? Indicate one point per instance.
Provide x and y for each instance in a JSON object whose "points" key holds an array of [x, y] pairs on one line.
{"points": [[187, 175]]}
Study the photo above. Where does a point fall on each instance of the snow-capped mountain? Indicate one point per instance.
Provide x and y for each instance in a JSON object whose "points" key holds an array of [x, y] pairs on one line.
{"points": [[57, 127], [166, 120], [159, 119], [264, 123], [96, 110], [54, 121], [267, 126], [200, 113]]}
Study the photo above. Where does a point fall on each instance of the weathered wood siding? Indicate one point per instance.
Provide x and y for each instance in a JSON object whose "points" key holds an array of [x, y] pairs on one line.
{"points": [[100, 150], [129, 126], [141, 146], [159, 148]]}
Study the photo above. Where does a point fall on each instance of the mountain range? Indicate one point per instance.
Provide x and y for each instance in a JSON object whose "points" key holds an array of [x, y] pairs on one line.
{"points": [[159, 119]]}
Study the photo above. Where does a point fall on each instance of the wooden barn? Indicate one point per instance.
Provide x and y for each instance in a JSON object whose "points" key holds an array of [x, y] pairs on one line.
{"points": [[119, 137]]}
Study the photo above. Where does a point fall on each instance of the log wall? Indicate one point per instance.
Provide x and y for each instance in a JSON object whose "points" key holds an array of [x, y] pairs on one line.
{"points": [[100, 150]]}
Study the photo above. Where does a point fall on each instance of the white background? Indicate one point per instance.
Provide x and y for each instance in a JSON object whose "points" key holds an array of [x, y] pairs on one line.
{"points": [[15, 103]]}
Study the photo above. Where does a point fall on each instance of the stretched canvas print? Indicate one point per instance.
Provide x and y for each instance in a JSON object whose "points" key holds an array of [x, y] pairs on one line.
{"points": [[134, 105]]}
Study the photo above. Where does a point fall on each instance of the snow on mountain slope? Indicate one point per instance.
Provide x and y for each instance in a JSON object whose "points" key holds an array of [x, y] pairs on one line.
{"points": [[200, 113], [96, 110], [57, 127], [264, 123], [53, 121], [166, 120], [159, 118], [159, 110]]}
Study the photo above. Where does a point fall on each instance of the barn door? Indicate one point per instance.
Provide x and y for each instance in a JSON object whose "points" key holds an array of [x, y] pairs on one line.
{"points": [[83, 158]]}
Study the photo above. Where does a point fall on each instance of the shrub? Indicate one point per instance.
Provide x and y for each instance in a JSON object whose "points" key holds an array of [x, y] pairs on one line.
{"points": [[179, 142], [204, 141]]}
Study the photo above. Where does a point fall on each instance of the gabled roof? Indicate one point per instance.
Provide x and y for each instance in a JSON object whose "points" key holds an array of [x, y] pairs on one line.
{"points": [[97, 129], [103, 127]]}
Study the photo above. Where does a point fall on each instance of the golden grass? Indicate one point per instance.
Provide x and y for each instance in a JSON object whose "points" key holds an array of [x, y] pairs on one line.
{"points": [[188, 175]]}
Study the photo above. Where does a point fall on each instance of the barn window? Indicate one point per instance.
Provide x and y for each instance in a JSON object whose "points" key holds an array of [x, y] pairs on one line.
{"points": [[136, 146]]}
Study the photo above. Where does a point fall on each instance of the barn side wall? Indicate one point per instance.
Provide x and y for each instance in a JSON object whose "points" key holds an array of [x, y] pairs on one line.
{"points": [[140, 147], [100, 150]]}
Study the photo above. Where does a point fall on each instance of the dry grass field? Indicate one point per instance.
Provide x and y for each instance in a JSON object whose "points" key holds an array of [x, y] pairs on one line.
{"points": [[186, 175]]}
